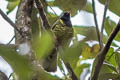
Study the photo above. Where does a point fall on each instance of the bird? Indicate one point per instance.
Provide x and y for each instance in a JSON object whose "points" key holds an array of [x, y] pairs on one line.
{"points": [[63, 31]]}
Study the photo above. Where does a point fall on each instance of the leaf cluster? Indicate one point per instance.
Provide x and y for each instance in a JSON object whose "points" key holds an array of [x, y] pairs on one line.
{"points": [[77, 54]]}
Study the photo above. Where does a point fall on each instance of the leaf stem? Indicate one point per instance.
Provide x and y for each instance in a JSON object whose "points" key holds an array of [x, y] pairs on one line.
{"points": [[104, 16], [96, 23]]}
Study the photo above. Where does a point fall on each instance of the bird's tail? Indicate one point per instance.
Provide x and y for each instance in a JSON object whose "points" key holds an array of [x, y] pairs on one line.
{"points": [[50, 62]]}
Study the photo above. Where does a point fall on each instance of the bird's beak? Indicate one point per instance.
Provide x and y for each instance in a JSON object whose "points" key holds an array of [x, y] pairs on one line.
{"points": [[68, 12]]}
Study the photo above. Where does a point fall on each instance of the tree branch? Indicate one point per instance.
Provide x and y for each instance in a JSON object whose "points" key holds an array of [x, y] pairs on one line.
{"points": [[10, 21], [23, 21], [3, 76], [105, 11], [45, 23], [70, 70], [100, 57], [97, 29]]}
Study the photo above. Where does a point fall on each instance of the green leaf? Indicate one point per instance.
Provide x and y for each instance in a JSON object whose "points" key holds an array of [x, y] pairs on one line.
{"points": [[86, 31], [52, 18], [35, 22], [117, 59], [71, 54], [70, 5], [88, 8], [12, 5], [113, 6], [90, 52], [110, 57], [108, 76], [19, 64], [42, 75], [109, 26], [106, 67], [51, 3], [43, 44], [79, 68]]}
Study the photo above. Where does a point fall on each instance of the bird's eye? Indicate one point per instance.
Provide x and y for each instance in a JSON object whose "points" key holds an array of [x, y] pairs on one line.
{"points": [[67, 14]]}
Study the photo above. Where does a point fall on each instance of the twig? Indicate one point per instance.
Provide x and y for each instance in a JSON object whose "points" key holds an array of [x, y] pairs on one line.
{"points": [[105, 11], [10, 22], [45, 23], [52, 10], [97, 29], [50, 7], [70, 70], [11, 40], [101, 56], [10, 76]]}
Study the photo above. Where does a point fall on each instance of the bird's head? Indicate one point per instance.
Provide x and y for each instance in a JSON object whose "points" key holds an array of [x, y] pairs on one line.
{"points": [[66, 16]]}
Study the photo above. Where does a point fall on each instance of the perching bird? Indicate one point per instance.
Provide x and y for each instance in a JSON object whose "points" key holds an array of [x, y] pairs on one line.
{"points": [[64, 32]]}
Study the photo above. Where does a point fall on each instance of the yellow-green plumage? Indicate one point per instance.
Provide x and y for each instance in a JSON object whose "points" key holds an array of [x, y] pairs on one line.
{"points": [[64, 32]]}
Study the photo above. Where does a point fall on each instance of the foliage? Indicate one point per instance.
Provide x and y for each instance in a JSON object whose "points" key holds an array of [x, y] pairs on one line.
{"points": [[77, 54], [45, 48], [20, 64], [113, 6]]}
